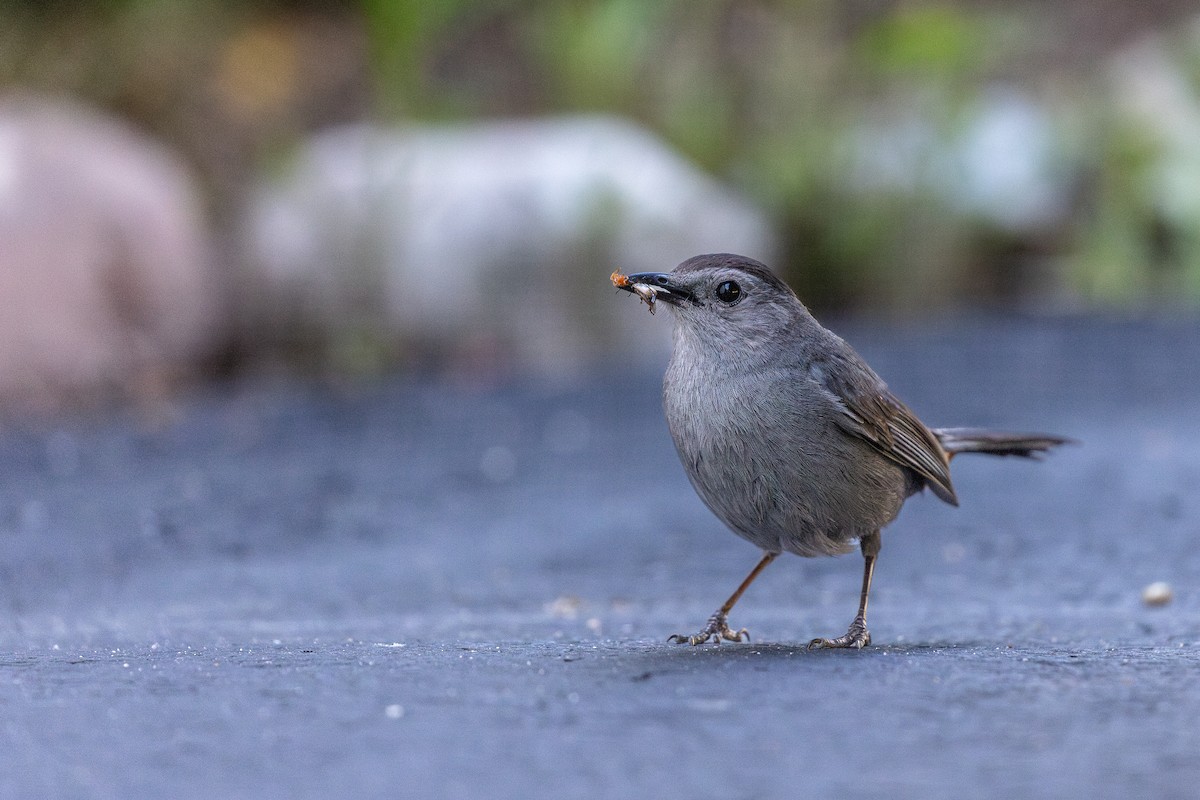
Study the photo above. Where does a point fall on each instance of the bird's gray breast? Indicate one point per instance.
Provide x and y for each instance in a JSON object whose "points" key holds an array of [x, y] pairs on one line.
{"points": [[764, 452]]}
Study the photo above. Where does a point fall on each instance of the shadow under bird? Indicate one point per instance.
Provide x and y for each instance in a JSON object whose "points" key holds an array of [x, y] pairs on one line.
{"points": [[785, 432]]}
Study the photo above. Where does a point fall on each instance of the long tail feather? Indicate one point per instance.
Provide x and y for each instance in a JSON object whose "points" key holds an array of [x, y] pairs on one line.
{"points": [[997, 443]]}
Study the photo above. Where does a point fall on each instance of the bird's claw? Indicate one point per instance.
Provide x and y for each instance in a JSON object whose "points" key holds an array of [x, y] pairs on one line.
{"points": [[717, 628], [856, 637]]}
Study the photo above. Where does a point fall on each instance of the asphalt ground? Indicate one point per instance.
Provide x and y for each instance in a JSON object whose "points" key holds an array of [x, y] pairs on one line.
{"points": [[419, 588]]}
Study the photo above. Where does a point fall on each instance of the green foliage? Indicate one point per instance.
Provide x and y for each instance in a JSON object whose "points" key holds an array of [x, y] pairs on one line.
{"points": [[598, 50], [1111, 262], [1138, 237], [403, 36], [938, 40]]}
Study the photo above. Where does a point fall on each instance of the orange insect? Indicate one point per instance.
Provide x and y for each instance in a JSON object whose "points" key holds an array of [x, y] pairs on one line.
{"points": [[645, 291]]}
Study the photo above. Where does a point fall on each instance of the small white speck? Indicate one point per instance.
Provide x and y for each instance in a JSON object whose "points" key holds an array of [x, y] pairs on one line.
{"points": [[1158, 593], [394, 711]]}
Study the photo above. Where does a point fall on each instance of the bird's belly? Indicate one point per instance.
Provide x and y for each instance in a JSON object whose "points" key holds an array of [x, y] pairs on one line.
{"points": [[807, 487]]}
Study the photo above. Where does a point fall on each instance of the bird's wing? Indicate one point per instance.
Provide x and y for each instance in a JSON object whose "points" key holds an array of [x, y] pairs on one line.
{"points": [[873, 413]]}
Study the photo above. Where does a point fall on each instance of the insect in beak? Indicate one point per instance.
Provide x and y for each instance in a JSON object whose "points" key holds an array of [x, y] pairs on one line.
{"points": [[645, 291]]}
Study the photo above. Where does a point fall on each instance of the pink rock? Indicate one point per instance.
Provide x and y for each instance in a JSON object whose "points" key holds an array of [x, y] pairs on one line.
{"points": [[105, 277]]}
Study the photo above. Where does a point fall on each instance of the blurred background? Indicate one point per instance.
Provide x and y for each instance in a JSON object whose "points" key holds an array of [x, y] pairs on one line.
{"points": [[195, 189]]}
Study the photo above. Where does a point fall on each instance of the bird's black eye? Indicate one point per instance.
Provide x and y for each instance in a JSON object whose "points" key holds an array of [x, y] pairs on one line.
{"points": [[729, 293]]}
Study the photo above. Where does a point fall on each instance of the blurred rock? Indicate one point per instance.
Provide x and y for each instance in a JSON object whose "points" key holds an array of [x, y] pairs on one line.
{"points": [[999, 163], [104, 269], [489, 243]]}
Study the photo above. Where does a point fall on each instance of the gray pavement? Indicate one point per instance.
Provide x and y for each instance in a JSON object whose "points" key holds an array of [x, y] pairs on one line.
{"points": [[417, 589]]}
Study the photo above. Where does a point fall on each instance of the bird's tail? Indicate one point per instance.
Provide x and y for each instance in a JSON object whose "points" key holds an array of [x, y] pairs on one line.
{"points": [[996, 443]]}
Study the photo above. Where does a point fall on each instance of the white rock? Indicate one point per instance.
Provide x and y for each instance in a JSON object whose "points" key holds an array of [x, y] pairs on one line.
{"points": [[502, 233], [104, 263]]}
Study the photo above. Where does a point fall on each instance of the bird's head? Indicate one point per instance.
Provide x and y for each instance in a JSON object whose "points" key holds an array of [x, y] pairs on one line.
{"points": [[720, 296]]}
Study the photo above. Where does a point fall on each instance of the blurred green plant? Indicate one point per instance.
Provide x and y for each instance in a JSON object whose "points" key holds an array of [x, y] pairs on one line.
{"points": [[403, 38], [938, 41], [1138, 236]]}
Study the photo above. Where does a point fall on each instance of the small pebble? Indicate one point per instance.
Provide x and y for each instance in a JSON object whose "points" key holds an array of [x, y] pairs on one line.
{"points": [[1157, 594]]}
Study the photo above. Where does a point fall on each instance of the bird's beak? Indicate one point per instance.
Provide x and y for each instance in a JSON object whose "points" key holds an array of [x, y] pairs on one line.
{"points": [[666, 289]]}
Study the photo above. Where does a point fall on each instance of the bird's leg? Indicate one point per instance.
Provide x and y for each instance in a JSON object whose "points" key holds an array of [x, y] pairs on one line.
{"points": [[857, 636], [717, 627]]}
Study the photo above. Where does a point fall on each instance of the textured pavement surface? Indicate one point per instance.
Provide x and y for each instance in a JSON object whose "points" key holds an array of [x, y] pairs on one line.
{"points": [[418, 589]]}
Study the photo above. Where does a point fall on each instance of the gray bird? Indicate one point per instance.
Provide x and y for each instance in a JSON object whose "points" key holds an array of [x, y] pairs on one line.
{"points": [[785, 432]]}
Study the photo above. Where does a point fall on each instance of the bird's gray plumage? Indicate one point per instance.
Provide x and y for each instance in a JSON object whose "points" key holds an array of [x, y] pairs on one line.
{"points": [[785, 432]]}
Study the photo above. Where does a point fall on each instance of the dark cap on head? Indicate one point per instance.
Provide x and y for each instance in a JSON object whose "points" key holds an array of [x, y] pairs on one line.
{"points": [[731, 261]]}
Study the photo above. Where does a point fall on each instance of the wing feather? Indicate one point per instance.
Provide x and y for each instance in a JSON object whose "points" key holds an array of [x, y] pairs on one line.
{"points": [[874, 414]]}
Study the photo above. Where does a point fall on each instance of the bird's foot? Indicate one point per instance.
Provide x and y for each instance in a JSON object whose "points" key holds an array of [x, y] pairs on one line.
{"points": [[857, 637], [717, 628]]}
